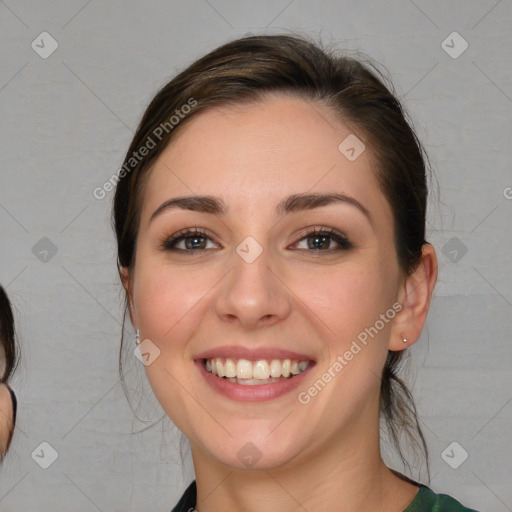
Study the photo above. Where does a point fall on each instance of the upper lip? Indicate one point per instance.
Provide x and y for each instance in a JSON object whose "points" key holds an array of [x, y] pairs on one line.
{"points": [[252, 354]]}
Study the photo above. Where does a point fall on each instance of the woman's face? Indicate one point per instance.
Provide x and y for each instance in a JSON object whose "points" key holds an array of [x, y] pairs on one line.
{"points": [[266, 274]]}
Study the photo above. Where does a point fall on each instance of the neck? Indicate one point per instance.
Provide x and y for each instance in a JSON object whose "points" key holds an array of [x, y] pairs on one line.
{"points": [[348, 475]]}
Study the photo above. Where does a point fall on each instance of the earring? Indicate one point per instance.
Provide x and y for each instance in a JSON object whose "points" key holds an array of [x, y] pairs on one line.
{"points": [[137, 337], [404, 339]]}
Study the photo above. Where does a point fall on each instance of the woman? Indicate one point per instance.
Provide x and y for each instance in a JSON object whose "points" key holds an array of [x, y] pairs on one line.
{"points": [[270, 221], [8, 403]]}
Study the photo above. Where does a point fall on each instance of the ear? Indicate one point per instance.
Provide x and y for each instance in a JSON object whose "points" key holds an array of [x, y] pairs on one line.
{"points": [[415, 296], [126, 279]]}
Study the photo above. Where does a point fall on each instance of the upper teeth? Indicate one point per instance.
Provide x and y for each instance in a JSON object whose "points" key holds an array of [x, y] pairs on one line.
{"points": [[261, 369]]}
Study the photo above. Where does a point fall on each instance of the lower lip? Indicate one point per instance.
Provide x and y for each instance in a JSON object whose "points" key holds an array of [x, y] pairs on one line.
{"points": [[255, 393]]}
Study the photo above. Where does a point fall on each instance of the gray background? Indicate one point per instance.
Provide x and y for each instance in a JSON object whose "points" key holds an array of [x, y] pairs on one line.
{"points": [[66, 122]]}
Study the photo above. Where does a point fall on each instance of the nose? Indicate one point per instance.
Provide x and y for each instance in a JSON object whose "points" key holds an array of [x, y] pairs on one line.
{"points": [[253, 295]]}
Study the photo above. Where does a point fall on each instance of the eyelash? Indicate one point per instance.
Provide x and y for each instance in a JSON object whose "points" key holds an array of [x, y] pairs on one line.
{"points": [[344, 244]]}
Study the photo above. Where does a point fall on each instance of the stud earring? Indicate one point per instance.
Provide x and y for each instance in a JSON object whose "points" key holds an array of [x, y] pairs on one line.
{"points": [[137, 337], [404, 339]]}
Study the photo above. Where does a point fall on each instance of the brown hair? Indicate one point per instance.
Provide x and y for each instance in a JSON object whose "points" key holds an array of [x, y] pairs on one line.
{"points": [[7, 336], [8, 347], [245, 70]]}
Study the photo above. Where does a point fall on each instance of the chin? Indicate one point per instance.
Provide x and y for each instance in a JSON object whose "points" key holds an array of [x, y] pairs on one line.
{"points": [[258, 452]]}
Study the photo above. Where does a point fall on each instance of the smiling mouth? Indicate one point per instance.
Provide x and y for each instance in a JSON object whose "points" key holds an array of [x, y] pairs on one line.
{"points": [[253, 373]]}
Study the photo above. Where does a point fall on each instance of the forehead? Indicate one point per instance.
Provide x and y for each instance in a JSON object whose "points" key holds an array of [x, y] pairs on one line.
{"points": [[257, 153]]}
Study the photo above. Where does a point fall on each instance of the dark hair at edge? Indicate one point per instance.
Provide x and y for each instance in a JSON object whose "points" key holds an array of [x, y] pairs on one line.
{"points": [[244, 71], [8, 344]]}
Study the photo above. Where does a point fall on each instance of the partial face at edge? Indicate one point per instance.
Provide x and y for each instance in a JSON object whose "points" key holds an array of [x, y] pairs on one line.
{"points": [[6, 418]]}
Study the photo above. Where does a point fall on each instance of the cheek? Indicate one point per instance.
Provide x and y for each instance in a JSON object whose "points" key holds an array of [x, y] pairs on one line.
{"points": [[172, 301], [163, 299], [347, 302], [347, 299], [170, 304]]}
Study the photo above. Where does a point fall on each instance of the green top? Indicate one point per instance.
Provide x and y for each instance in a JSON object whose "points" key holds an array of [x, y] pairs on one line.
{"points": [[427, 501]]}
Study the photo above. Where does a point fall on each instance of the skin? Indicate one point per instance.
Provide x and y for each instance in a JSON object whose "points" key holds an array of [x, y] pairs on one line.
{"points": [[291, 297], [6, 413]]}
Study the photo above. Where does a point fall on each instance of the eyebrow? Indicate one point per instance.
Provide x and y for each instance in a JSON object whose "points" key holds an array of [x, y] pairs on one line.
{"points": [[296, 202]]}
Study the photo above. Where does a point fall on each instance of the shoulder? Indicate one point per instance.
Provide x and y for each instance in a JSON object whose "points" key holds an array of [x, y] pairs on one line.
{"points": [[428, 501], [187, 502]]}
